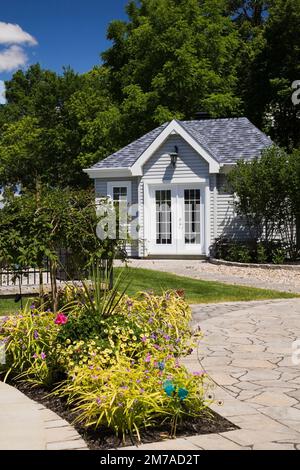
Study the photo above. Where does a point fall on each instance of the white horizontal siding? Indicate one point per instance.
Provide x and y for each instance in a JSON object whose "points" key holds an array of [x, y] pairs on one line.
{"points": [[189, 164]]}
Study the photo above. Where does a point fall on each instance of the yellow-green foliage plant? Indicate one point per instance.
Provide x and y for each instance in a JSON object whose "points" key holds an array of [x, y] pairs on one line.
{"points": [[129, 395], [30, 339]]}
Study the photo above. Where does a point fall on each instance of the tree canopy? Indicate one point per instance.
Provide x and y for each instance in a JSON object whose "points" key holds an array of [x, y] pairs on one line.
{"points": [[169, 59]]}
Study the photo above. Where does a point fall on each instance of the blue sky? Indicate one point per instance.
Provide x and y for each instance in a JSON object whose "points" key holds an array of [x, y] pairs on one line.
{"points": [[54, 33]]}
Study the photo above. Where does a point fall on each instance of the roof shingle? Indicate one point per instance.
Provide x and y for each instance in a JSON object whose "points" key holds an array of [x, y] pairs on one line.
{"points": [[226, 140]]}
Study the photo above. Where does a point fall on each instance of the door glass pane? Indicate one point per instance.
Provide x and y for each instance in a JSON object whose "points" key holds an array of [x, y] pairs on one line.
{"points": [[163, 217], [192, 216]]}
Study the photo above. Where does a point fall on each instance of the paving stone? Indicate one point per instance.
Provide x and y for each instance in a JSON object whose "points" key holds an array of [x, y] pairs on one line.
{"points": [[213, 442], [67, 445], [273, 446], [272, 399], [170, 444]]}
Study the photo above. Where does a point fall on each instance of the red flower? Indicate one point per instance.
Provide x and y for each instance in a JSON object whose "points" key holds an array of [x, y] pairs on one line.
{"points": [[180, 293], [61, 319]]}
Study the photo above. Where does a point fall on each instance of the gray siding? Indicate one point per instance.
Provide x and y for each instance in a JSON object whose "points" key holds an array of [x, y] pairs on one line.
{"points": [[228, 223], [101, 190], [189, 164]]}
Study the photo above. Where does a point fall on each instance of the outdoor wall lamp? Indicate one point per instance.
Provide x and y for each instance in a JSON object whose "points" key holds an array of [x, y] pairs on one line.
{"points": [[174, 156]]}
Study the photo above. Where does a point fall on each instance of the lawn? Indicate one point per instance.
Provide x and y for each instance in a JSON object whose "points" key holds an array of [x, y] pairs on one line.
{"points": [[196, 291], [9, 306]]}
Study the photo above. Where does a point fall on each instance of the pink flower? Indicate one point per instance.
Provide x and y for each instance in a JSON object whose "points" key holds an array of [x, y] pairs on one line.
{"points": [[61, 319], [43, 356], [148, 358]]}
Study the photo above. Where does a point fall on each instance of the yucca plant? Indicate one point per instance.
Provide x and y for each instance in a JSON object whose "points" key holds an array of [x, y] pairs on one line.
{"points": [[102, 300]]}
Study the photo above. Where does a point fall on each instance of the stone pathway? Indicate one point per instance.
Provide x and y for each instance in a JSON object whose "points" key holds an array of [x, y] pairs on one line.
{"points": [[247, 350], [27, 425], [281, 279]]}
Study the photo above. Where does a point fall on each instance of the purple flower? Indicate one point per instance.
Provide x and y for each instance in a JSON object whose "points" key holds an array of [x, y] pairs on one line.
{"points": [[138, 381], [199, 373], [35, 356], [35, 334], [144, 339], [150, 320], [124, 387], [153, 336], [142, 390], [43, 356], [98, 401], [95, 377], [167, 337], [156, 346], [32, 306], [148, 358]]}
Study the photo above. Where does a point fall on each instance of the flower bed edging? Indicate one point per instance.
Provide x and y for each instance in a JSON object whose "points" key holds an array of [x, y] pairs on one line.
{"points": [[221, 262]]}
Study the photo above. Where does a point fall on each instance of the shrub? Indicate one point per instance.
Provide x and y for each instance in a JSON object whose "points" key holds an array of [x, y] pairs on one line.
{"points": [[129, 395], [274, 251], [119, 371], [30, 344], [262, 256], [279, 256]]}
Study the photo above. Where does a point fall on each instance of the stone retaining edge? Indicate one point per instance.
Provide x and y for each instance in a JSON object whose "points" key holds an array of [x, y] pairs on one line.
{"points": [[222, 262]]}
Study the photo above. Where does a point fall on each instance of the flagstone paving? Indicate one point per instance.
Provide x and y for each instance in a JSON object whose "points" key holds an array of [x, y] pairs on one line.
{"points": [[247, 351]]}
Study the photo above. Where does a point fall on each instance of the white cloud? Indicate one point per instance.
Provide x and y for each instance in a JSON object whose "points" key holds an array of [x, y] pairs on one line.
{"points": [[12, 58], [14, 34], [2, 92]]}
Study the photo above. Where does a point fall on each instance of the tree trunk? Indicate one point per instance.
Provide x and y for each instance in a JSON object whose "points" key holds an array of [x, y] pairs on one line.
{"points": [[54, 294], [298, 233], [41, 283]]}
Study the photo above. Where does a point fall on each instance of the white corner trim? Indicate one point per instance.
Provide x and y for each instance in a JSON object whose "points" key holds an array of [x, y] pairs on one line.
{"points": [[108, 172], [174, 126], [207, 211]]}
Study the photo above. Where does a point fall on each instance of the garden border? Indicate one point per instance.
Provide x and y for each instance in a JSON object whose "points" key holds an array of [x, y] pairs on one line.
{"points": [[222, 262]]}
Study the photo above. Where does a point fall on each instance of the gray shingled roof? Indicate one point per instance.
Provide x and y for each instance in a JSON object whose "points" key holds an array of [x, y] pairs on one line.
{"points": [[226, 140]]}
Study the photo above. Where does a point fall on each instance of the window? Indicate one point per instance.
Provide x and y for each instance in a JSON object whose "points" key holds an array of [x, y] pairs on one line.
{"points": [[119, 191]]}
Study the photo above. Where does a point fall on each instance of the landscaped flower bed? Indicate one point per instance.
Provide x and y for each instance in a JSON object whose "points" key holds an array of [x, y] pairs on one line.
{"points": [[113, 359]]}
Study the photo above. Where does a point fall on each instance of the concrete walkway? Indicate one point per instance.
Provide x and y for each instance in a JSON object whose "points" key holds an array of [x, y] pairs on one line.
{"points": [[27, 425], [281, 279], [247, 350]]}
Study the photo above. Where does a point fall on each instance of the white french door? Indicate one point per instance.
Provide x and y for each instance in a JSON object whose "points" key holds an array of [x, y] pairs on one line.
{"points": [[175, 219]]}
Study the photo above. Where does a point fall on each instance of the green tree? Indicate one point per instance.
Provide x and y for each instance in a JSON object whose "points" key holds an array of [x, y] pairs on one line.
{"points": [[172, 58], [274, 68], [267, 191], [39, 133], [31, 231]]}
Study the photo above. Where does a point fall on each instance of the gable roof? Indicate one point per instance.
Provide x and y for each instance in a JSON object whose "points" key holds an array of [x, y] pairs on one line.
{"points": [[225, 140]]}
